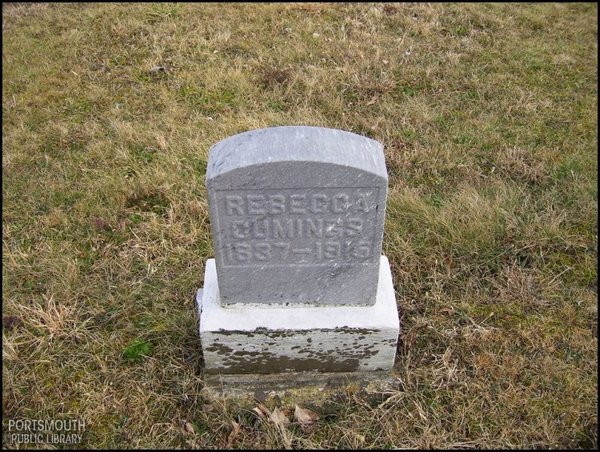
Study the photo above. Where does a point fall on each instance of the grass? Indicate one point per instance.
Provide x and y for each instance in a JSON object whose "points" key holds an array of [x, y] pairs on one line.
{"points": [[488, 114]]}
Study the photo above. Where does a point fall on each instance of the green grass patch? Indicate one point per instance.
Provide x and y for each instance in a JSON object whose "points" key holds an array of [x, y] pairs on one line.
{"points": [[137, 350]]}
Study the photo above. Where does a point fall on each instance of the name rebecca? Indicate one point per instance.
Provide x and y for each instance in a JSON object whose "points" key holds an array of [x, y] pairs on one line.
{"points": [[298, 203]]}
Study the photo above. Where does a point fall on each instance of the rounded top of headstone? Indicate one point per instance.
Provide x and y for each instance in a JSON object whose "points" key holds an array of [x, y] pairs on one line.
{"points": [[296, 143]]}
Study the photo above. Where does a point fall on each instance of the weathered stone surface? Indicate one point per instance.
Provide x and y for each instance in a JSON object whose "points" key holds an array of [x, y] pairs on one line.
{"points": [[297, 216], [244, 339], [299, 386]]}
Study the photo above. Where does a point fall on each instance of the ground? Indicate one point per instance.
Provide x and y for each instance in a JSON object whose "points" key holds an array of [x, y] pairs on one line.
{"points": [[488, 115]]}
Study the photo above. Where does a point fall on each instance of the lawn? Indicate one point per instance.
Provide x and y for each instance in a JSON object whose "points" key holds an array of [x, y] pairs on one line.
{"points": [[488, 115]]}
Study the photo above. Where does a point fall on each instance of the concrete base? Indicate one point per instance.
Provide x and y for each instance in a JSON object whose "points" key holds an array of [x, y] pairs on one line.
{"points": [[258, 339], [297, 385]]}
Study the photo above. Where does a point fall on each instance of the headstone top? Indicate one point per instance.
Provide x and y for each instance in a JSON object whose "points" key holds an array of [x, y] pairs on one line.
{"points": [[297, 216], [296, 143]]}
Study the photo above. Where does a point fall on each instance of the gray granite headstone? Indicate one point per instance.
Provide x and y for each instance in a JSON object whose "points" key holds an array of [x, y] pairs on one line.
{"points": [[297, 216]]}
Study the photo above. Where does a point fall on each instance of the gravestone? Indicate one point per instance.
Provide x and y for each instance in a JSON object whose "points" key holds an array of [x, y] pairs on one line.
{"points": [[297, 216], [298, 283]]}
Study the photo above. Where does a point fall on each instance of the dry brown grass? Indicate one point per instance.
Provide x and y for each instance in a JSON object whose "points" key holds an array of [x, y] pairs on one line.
{"points": [[488, 114]]}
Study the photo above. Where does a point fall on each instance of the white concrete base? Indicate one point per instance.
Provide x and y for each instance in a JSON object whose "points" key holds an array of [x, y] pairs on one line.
{"points": [[259, 339]]}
